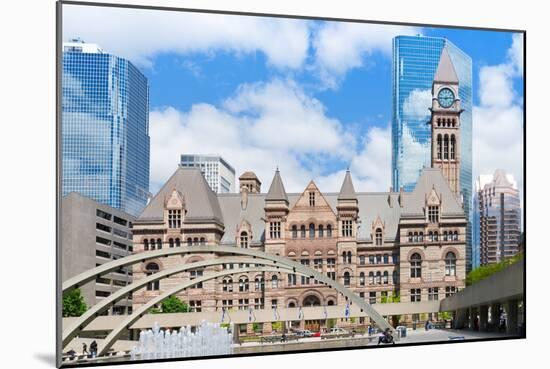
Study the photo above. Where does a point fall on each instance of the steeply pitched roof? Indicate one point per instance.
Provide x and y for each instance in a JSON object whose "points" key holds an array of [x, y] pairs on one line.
{"points": [[445, 70], [347, 191], [277, 189], [431, 179], [249, 175], [200, 201]]}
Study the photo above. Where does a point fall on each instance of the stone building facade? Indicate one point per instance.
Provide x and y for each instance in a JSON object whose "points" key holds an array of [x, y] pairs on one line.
{"points": [[379, 245]]}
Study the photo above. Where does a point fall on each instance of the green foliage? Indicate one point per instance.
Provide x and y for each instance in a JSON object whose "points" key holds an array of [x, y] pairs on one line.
{"points": [[390, 299], [352, 320], [174, 305], [276, 326], [485, 271], [256, 327], [73, 303], [445, 315], [331, 323], [155, 311], [224, 325], [171, 305]]}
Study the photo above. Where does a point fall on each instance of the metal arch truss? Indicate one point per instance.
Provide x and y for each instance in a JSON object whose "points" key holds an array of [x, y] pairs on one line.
{"points": [[78, 324], [142, 310], [256, 256]]}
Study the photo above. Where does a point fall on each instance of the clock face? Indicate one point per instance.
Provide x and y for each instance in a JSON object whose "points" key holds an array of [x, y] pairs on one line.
{"points": [[446, 97]]}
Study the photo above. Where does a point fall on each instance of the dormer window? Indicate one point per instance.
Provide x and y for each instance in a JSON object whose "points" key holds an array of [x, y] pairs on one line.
{"points": [[174, 218], [312, 198], [433, 214], [244, 240], [378, 237]]}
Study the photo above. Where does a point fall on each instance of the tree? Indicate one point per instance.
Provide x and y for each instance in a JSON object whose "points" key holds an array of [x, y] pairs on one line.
{"points": [[174, 305], [391, 299], [73, 303], [485, 271]]}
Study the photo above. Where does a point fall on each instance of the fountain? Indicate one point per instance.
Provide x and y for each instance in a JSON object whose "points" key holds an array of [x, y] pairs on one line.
{"points": [[208, 339]]}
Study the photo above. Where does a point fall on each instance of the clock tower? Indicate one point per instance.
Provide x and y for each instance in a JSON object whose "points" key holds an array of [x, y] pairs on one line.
{"points": [[445, 122]]}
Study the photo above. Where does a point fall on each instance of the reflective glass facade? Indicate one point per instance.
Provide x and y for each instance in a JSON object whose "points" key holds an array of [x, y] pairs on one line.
{"points": [[219, 175], [105, 130], [498, 212], [415, 60]]}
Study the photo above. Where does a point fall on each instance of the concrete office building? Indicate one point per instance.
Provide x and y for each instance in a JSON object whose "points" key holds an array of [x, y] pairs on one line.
{"points": [[218, 173], [93, 234]]}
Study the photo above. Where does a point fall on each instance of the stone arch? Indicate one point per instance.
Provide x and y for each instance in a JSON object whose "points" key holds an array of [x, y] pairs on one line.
{"points": [[447, 249], [291, 300], [416, 251], [308, 293]]}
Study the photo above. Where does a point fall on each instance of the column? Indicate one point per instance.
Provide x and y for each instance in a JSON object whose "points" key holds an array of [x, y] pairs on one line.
{"points": [[495, 316], [511, 317], [472, 313], [483, 317]]}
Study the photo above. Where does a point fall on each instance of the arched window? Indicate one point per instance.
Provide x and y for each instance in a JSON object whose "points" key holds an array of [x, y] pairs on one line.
{"points": [[455, 236], [421, 237], [203, 241], [450, 264], [410, 237], [453, 147], [445, 236], [415, 237], [195, 241], [159, 243], [189, 242], [386, 259], [430, 236], [416, 266], [150, 269], [244, 240], [146, 244], [312, 230], [329, 231], [436, 236], [371, 278], [227, 285], [439, 122], [439, 146], [378, 278], [385, 277], [243, 284], [294, 231], [362, 259], [361, 279], [303, 231], [378, 234], [321, 231], [349, 257], [347, 279], [274, 282], [446, 147], [171, 242], [178, 243]]}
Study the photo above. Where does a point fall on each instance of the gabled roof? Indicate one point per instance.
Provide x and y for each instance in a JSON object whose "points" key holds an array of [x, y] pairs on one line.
{"points": [[277, 189], [347, 191], [445, 70], [201, 202], [430, 180]]}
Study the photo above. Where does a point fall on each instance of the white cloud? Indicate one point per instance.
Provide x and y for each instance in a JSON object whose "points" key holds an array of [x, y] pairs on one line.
{"points": [[265, 125], [515, 53], [340, 46], [498, 120], [416, 157], [418, 102], [140, 34]]}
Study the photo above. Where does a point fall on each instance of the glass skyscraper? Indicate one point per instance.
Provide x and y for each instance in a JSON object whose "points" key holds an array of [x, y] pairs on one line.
{"points": [[219, 175], [498, 215], [415, 60], [104, 128]]}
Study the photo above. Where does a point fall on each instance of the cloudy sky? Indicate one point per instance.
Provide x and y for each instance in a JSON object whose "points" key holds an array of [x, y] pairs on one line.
{"points": [[310, 97]]}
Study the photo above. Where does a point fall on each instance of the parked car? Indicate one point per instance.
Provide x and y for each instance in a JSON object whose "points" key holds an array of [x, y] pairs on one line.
{"points": [[338, 330], [304, 333]]}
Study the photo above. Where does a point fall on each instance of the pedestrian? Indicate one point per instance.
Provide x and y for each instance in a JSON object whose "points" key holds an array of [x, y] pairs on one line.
{"points": [[427, 325], [71, 353], [93, 348], [84, 349]]}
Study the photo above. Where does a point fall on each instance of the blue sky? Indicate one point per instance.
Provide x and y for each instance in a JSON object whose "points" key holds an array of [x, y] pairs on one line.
{"points": [[311, 97]]}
